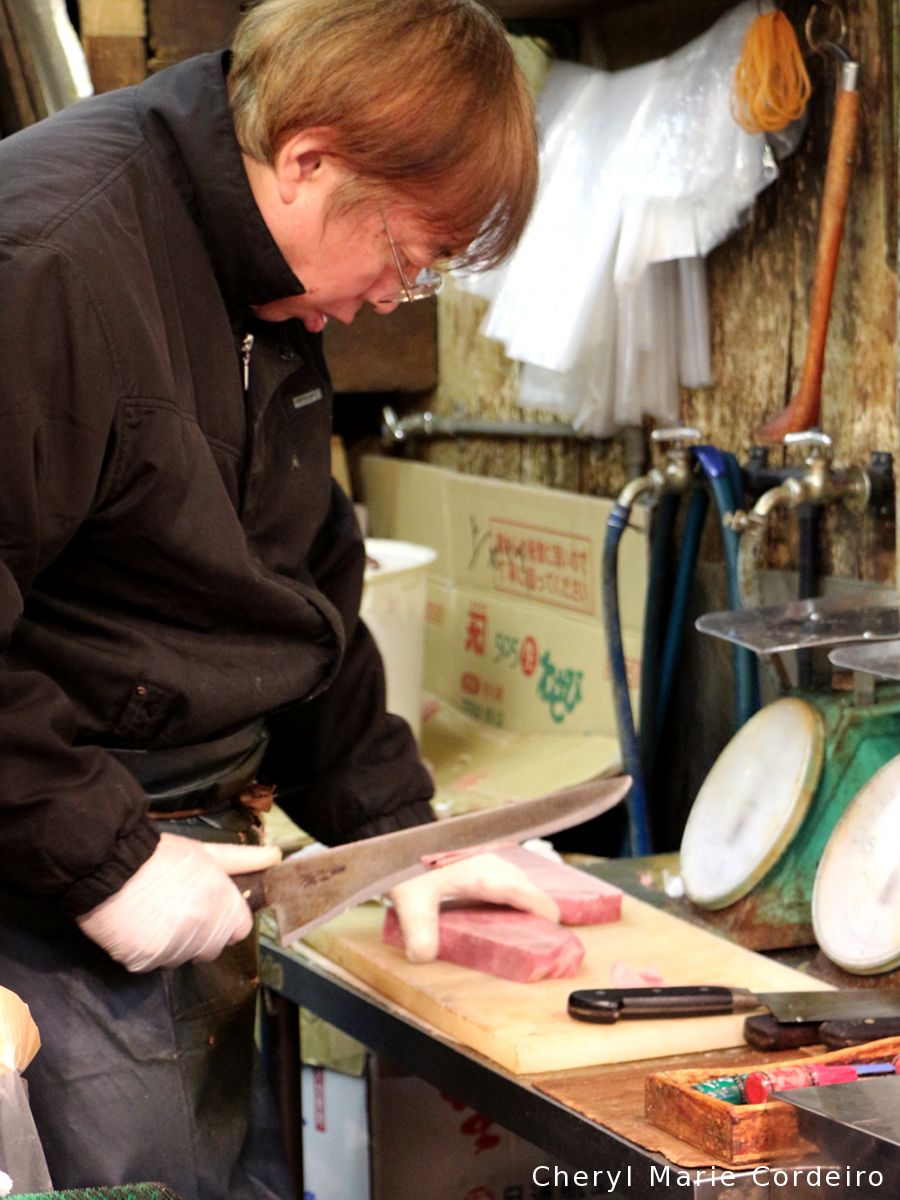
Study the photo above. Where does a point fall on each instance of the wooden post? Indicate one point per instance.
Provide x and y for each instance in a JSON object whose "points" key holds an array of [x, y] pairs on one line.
{"points": [[114, 35]]}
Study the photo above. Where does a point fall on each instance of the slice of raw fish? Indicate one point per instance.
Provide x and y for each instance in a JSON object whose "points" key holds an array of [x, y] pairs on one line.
{"points": [[500, 941], [582, 899], [625, 975]]}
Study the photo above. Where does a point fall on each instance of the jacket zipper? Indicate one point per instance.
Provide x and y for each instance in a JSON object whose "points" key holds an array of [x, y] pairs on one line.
{"points": [[246, 350]]}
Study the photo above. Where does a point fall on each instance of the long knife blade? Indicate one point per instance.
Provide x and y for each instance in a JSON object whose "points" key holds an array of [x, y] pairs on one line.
{"points": [[608, 1005], [306, 890]]}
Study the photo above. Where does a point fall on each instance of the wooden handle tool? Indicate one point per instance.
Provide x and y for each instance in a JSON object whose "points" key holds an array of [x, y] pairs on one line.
{"points": [[803, 411]]}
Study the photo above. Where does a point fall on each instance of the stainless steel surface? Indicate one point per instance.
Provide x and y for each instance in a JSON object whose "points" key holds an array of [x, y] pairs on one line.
{"points": [[856, 1130], [879, 658], [306, 890], [805, 624]]}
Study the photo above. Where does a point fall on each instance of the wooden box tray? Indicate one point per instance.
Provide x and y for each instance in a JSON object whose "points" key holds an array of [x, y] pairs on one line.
{"points": [[740, 1134]]}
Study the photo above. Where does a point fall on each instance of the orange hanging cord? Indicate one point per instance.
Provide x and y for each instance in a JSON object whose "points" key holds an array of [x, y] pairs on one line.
{"points": [[771, 85]]}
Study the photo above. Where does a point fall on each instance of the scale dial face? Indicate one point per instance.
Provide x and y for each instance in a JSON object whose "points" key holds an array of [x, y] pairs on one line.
{"points": [[752, 802], [856, 895]]}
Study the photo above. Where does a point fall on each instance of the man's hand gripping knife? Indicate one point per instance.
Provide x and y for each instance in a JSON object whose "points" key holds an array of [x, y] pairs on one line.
{"points": [[485, 877], [179, 906]]}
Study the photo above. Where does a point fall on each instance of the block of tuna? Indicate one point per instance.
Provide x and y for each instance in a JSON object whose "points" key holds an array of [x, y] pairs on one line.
{"points": [[500, 941], [582, 899]]}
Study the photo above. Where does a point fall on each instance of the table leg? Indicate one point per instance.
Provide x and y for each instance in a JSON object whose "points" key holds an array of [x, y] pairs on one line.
{"points": [[280, 1041]]}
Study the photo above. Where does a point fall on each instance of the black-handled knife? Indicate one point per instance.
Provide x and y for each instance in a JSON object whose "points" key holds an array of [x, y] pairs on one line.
{"points": [[763, 1032], [607, 1005]]}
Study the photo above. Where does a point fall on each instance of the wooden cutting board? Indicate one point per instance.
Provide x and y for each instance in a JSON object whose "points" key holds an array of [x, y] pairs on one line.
{"points": [[524, 1026]]}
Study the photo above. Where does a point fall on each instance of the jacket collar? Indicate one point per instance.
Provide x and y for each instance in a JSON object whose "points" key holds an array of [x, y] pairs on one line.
{"points": [[188, 122]]}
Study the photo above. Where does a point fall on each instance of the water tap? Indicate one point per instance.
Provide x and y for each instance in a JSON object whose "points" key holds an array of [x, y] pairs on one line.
{"points": [[817, 483], [673, 474]]}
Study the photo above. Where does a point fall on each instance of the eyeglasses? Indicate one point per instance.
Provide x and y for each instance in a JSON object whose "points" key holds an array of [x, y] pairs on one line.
{"points": [[428, 282]]}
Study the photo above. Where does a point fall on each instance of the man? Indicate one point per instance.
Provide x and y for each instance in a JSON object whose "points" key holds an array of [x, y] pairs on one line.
{"points": [[179, 581]]}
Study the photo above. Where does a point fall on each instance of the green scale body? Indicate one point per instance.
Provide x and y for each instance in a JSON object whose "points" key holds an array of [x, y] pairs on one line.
{"points": [[770, 908]]}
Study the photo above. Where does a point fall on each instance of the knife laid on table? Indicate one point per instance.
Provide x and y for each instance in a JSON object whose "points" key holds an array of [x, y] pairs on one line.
{"points": [[605, 1006], [763, 1032], [308, 889]]}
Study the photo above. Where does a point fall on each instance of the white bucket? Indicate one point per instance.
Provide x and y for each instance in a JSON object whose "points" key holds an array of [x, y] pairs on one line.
{"points": [[393, 607]]}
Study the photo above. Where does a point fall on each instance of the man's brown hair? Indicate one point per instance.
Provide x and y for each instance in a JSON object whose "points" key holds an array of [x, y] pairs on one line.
{"points": [[423, 101]]}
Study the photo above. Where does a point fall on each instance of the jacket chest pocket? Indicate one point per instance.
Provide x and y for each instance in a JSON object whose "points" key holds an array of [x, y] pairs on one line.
{"points": [[305, 424], [288, 483]]}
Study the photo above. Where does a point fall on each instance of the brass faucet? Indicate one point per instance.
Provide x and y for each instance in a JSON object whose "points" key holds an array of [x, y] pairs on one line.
{"points": [[819, 483], [676, 470]]}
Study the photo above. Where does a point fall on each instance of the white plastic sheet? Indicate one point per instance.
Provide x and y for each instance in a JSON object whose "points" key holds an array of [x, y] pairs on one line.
{"points": [[643, 172], [23, 1167], [59, 60]]}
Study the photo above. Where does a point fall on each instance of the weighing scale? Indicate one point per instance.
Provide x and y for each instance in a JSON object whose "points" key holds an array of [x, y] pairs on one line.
{"points": [[761, 820], [856, 897]]}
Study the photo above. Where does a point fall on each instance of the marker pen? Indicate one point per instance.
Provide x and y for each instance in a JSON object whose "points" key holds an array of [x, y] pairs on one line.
{"points": [[760, 1085]]}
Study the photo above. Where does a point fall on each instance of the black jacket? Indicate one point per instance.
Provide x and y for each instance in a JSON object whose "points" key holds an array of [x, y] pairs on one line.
{"points": [[174, 560]]}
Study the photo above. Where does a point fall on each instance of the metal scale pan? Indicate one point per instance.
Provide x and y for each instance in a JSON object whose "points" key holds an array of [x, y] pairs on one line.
{"points": [[881, 659], [762, 817], [808, 624]]}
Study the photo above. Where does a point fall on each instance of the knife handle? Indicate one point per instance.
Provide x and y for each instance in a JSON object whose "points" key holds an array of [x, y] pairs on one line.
{"points": [[765, 1033], [251, 888], [838, 1034], [608, 1005]]}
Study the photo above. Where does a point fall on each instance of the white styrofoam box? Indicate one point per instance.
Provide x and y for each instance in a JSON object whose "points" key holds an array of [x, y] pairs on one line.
{"points": [[393, 607], [335, 1136]]}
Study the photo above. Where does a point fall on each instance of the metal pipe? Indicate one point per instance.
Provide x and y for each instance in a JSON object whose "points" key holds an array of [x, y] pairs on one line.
{"points": [[751, 526], [808, 520], [397, 430], [651, 482]]}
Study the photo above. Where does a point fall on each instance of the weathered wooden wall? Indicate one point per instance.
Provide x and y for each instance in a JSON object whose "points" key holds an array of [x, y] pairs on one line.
{"points": [[759, 285]]}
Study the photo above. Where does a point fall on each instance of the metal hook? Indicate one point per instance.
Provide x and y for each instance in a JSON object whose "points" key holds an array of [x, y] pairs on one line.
{"points": [[824, 44]]}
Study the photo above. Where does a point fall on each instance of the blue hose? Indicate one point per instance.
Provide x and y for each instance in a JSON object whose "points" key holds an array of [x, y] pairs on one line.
{"points": [[690, 546], [657, 603], [661, 651], [640, 842], [724, 477]]}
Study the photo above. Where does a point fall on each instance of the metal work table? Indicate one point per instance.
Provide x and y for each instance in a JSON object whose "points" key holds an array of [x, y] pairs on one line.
{"points": [[305, 979], [509, 1099]]}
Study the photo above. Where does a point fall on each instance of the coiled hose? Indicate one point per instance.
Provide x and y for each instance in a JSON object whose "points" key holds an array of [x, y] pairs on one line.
{"points": [[724, 476], [639, 838], [660, 650]]}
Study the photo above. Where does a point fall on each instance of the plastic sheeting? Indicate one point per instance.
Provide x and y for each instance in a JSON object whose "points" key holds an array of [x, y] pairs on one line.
{"points": [[643, 172], [23, 1167], [59, 60]]}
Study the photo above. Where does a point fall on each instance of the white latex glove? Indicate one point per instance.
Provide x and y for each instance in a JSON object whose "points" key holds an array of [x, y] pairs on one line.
{"points": [[180, 906], [482, 877]]}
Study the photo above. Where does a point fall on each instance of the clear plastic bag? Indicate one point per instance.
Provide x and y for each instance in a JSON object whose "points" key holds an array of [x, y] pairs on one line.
{"points": [[21, 1155], [643, 172]]}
